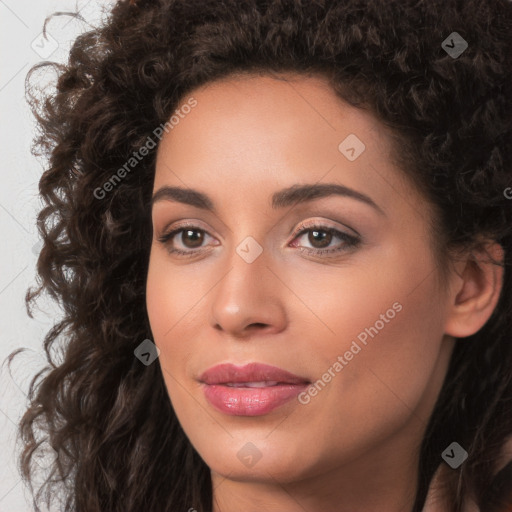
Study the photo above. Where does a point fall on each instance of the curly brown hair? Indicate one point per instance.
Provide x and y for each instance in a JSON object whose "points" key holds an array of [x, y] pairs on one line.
{"points": [[108, 417]]}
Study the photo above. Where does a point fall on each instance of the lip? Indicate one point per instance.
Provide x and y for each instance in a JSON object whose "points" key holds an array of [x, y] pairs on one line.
{"points": [[217, 384]]}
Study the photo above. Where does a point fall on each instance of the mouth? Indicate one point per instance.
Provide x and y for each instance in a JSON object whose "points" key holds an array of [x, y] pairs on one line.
{"points": [[251, 390]]}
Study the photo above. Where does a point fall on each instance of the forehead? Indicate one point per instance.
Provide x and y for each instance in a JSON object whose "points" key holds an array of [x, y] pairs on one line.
{"points": [[260, 133], [279, 106]]}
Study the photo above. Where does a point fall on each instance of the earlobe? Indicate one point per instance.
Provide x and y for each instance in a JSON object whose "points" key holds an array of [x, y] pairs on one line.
{"points": [[477, 292]]}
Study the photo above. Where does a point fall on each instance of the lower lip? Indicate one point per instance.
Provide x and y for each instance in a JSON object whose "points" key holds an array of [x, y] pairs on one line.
{"points": [[250, 401]]}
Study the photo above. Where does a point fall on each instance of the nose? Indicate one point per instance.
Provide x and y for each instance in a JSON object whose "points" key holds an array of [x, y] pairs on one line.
{"points": [[249, 299]]}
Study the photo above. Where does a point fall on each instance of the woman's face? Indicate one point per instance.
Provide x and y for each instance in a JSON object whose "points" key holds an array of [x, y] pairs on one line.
{"points": [[356, 312]]}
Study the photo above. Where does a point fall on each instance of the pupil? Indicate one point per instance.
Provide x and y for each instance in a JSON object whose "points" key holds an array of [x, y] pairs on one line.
{"points": [[324, 240], [196, 240]]}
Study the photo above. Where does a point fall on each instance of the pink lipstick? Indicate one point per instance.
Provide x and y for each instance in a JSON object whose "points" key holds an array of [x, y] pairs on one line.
{"points": [[250, 390]]}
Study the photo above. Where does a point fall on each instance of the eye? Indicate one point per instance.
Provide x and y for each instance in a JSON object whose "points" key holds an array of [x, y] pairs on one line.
{"points": [[191, 238], [321, 236]]}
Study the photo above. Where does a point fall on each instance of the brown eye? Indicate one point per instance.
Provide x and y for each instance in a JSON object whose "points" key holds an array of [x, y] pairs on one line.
{"points": [[321, 237], [195, 236], [189, 243]]}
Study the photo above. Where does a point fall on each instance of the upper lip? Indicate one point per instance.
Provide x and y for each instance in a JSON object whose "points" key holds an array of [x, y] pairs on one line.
{"points": [[252, 372]]}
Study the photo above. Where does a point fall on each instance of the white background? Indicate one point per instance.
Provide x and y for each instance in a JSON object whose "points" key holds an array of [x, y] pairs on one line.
{"points": [[21, 22]]}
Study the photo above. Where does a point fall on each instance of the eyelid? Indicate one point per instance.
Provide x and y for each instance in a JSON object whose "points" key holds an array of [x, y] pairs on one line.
{"points": [[192, 223], [309, 224]]}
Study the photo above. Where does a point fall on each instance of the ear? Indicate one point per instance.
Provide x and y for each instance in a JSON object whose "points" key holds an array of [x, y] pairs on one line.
{"points": [[477, 284]]}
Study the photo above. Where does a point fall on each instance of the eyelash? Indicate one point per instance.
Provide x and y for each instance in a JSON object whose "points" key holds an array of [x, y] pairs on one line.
{"points": [[350, 241]]}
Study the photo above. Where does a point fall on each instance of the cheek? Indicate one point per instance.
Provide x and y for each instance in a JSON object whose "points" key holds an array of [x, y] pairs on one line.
{"points": [[170, 302], [173, 301], [389, 360]]}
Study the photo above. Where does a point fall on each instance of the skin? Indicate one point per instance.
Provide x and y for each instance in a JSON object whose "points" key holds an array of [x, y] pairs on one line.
{"points": [[355, 446]]}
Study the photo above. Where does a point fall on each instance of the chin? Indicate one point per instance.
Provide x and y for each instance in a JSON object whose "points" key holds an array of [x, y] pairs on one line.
{"points": [[240, 460]]}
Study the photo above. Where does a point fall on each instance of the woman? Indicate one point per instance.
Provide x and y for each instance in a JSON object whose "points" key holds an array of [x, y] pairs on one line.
{"points": [[281, 235]]}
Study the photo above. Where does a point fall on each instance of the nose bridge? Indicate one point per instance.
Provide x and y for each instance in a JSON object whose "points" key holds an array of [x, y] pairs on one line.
{"points": [[249, 249], [248, 293], [245, 280]]}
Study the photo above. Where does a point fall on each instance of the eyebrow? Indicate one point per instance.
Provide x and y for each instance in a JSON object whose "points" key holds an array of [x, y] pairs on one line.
{"points": [[281, 199]]}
